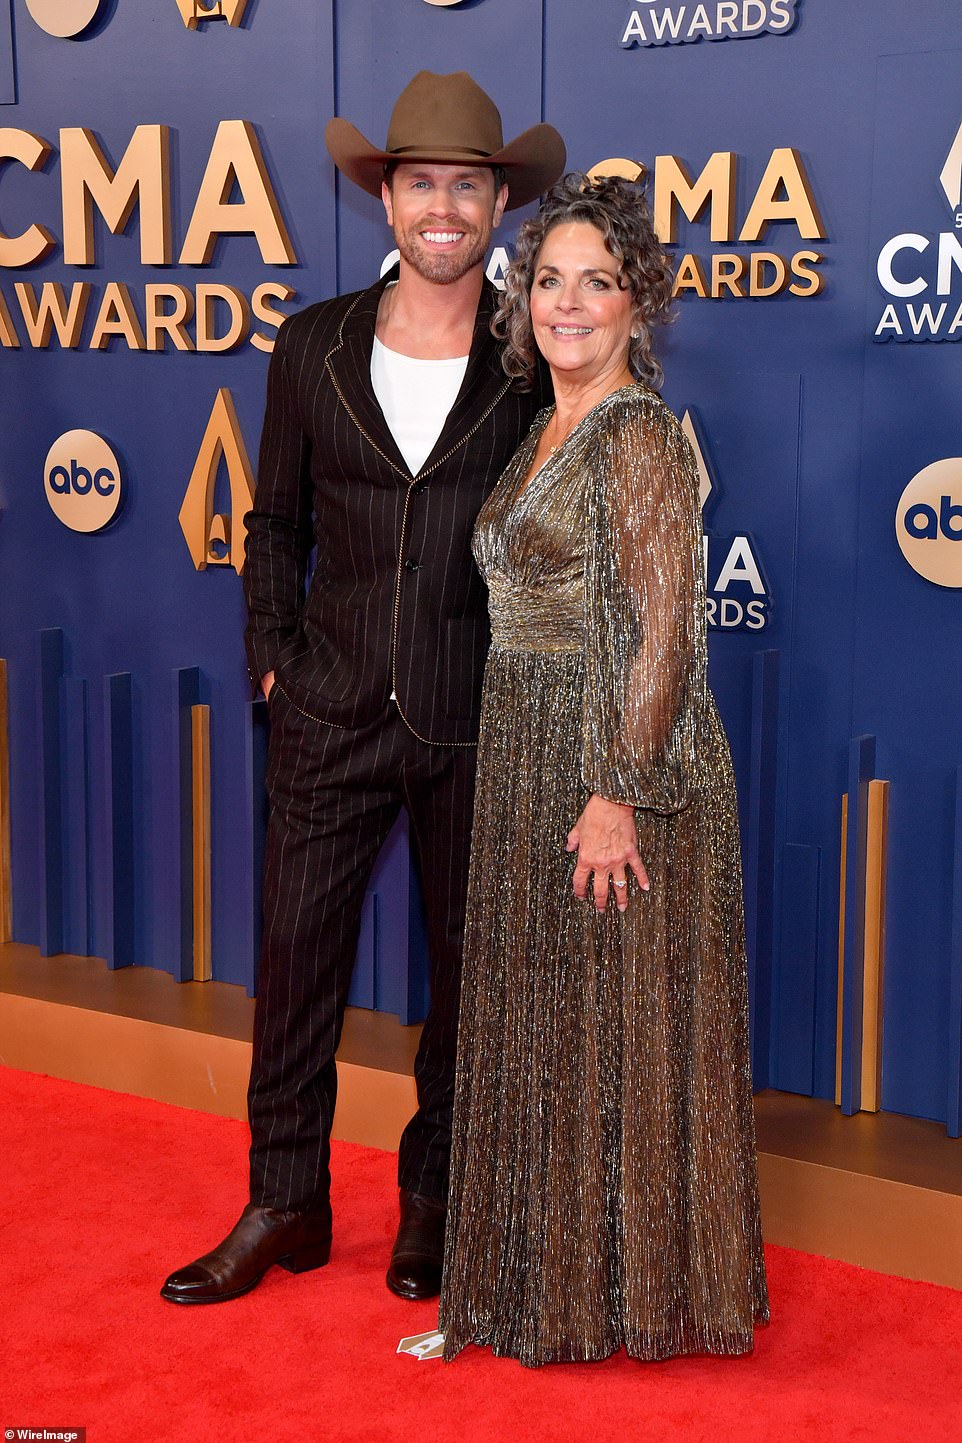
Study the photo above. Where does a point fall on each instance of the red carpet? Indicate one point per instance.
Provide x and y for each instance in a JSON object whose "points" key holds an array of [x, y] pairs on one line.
{"points": [[104, 1194]]}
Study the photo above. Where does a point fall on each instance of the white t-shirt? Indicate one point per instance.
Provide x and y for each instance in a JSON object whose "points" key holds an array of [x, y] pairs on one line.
{"points": [[415, 397]]}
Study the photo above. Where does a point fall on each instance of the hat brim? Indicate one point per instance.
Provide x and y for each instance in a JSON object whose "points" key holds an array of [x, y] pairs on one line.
{"points": [[532, 162]]}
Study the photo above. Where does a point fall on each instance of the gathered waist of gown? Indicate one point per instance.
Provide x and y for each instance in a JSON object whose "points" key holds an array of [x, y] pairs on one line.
{"points": [[535, 619]]}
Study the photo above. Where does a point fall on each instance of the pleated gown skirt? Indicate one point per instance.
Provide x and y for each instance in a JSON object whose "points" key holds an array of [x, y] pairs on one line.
{"points": [[603, 1186]]}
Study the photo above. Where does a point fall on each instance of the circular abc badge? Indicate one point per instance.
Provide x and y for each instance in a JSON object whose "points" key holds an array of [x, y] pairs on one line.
{"points": [[63, 18], [928, 522], [82, 479]]}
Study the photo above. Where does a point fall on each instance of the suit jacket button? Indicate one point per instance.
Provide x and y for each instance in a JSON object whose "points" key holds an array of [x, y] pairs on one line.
{"points": [[410, 564]]}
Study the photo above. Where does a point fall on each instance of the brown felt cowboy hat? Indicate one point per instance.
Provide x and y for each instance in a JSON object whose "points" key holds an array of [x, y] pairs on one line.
{"points": [[449, 120]]}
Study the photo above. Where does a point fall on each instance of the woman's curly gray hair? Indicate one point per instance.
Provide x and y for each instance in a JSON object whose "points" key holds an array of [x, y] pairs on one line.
{"points": [[618, 209]]}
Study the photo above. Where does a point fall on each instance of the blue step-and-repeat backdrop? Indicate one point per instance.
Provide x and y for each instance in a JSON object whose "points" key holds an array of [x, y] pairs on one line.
{"points": [[166, 199]]}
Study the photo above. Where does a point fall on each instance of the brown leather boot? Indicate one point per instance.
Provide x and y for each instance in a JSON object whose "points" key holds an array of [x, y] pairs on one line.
{"points": [[418, 1255], [297, 1241]]}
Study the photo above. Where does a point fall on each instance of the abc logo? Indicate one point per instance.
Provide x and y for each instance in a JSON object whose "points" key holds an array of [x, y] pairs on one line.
{"points": [[928, 523], [82, 480], [63, 18]]}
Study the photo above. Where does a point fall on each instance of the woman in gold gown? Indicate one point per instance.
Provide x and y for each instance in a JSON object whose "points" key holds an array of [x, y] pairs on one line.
{"points": [[603, 1181]]}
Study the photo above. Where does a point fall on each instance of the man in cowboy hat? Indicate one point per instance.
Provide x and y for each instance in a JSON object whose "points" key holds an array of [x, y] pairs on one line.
{"points": [[388, 421]]}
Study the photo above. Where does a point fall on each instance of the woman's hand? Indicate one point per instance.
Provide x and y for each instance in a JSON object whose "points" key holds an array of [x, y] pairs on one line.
{"points": [[607, 843]]}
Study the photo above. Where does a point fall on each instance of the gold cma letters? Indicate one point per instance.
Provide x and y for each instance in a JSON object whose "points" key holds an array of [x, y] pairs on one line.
{"points": [[142, 181], [221, 314], [196, 12], [34, 243], [236, 156], [715, 186], [218, 540], [783, 194], [142, 178], [52, 309]]}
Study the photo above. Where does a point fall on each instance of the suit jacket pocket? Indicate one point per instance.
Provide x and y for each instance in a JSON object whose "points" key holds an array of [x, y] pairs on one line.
{"points": [[330, 662]]}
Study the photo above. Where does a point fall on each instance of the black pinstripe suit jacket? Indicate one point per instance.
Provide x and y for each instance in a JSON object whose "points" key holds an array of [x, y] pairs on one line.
{"points": [[394, 601]]}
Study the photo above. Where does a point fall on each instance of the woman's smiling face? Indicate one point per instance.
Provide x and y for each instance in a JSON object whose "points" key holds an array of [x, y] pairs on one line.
{"points": [[580, 315]]}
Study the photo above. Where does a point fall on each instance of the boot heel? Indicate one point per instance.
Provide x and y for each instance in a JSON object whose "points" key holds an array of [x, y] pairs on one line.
{"points": [[305, 1259]]}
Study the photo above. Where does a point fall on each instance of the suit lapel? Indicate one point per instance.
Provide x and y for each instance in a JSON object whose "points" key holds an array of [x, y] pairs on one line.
{"points": [[349, 365]]}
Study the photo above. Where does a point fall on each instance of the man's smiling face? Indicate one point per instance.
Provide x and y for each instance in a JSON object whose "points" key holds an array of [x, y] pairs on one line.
{"points": [[442, 216]]}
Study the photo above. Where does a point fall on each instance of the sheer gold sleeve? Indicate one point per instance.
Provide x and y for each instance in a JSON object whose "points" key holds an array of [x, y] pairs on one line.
{"points": [[645, 645]]}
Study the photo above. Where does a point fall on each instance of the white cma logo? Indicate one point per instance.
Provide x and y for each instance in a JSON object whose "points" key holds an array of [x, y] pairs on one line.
{"points": [[901, 275], [737, 598]]}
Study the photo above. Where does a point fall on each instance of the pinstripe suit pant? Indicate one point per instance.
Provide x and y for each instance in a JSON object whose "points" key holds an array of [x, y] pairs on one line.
{"points": [[334, 795]]}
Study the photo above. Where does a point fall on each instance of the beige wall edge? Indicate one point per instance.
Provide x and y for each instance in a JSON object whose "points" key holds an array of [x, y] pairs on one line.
{"points": [[189, 1069]]}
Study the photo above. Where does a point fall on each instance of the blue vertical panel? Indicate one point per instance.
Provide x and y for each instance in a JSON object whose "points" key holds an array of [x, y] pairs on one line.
{"points": [[363, 991], [760, 853], [907, 677], [954, 1105], [861, 770], [795, 989], [119, 771], [186, 694], [254, 833], [417, 993], [396, 959], [76, 818], [51, 792], [8, 73]]}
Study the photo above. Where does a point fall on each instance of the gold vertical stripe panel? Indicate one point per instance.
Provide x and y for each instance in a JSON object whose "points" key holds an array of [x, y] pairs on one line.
{"points": [[6, 891], [841, 952], [200, 777], [873, 961]]}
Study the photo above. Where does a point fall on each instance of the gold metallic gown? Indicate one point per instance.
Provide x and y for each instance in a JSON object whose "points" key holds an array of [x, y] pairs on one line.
{"points": [[603, 1181]]}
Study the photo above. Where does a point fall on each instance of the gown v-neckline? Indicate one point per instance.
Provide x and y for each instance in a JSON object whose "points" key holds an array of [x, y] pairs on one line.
{"points": [[530, 476]]}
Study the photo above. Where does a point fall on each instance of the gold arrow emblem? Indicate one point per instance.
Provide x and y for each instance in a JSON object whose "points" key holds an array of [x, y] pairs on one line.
{"points": [[217, 540], [196, 12]]}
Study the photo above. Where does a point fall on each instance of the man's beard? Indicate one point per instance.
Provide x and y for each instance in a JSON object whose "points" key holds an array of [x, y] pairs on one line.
{"points": [[442, 267]]}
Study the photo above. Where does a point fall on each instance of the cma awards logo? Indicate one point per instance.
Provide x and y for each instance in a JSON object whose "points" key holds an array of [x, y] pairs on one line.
{"points": [[652, 22], [197, 12], [737, 598], [913, 268], [928, 522]]}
